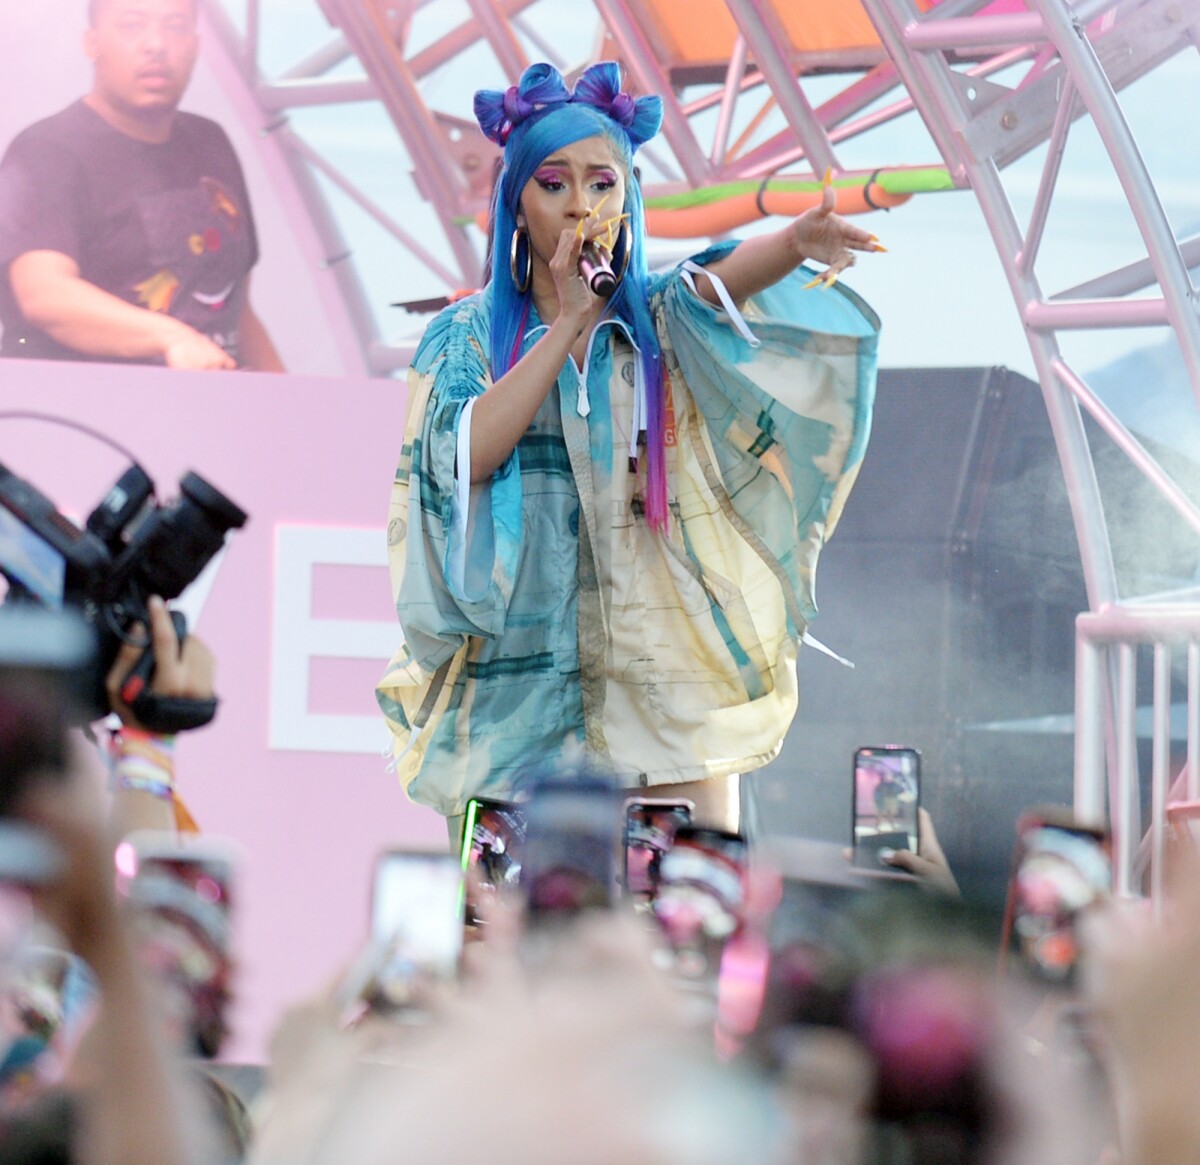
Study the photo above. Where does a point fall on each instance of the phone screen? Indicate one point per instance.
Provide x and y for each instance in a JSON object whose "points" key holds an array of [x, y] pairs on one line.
{"points": [[493, 834], [887, 788], [1060, 872], [569, 860], [815, 945], [416, 925], [815, 914], [701, 893], [31, 561], [180, 895], [650, 828]]}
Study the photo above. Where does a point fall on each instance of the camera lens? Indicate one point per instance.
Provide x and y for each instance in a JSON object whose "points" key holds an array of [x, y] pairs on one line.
{"points": [[226, 514], [179, 540]]}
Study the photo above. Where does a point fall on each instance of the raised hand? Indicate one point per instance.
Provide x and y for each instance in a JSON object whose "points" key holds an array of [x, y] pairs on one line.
{"points": [[575, 299], [829, 238]]}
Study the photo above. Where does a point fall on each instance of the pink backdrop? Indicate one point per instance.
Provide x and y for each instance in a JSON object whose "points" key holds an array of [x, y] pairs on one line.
{"points": [[292, 770]]}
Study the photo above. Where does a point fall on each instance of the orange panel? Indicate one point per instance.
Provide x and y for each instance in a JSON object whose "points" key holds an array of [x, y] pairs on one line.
{"points": [[691, 31], [702, 31], [819, 26]]}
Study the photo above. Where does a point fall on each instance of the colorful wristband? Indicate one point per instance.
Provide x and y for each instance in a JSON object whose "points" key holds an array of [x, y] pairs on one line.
{"points": [[144, 762]]}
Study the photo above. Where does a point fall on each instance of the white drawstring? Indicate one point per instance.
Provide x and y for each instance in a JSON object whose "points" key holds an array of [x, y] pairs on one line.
{"points": [[735, 316], [812, 641], [397, 757], [462, 501]]}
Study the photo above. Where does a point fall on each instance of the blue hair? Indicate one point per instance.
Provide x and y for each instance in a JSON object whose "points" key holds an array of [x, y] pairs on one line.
{"points": [[554, 120]]}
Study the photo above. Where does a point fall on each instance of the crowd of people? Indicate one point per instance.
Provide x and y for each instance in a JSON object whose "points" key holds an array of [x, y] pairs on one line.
{"points": [[606, 522], [845, 1017]]}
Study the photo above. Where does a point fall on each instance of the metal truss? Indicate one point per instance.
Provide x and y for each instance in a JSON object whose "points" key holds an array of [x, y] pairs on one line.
{"points": [[1080, 57], [745, 118]]}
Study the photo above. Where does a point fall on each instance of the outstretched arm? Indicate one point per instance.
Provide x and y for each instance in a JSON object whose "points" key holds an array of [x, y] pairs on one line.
{"points": [[818, 234]]}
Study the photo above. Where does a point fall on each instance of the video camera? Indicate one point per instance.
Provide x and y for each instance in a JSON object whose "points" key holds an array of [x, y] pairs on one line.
{"points": [[130, 548]]}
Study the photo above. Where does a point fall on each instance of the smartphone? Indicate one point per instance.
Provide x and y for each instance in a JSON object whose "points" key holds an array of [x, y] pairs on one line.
{"points": [[1060, 870], [180, 893], [886, 793], [650, 828], [790, 959], [43, 657], [416, 929], [569, 858], [493, 834], [701, 895]]}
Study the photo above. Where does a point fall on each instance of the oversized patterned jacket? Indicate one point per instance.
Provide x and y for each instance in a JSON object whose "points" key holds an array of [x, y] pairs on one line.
{"points": [[541, 613]]}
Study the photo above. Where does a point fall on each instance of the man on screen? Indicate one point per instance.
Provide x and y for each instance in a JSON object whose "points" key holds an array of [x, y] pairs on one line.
{"points": [[125, 227]]}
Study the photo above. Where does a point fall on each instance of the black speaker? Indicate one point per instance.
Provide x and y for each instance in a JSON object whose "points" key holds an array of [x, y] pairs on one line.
{"points": [[952, 583]]}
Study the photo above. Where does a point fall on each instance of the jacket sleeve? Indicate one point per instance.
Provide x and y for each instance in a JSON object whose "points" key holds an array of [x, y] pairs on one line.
{"points": [[453, 547], [785, 392]]}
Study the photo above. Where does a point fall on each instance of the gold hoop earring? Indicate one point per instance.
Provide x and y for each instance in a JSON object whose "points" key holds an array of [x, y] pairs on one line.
{"points": [[521, 283], [626, 235]]}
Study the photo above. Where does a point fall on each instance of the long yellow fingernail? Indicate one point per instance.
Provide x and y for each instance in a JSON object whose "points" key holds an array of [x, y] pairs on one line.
{"points": [[829, 281], [811, 283], [878, 246], [828, 179], [610, 226]]}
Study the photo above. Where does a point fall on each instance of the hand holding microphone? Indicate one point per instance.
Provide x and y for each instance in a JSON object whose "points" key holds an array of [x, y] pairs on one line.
{"points": [[595, 260], [595, 265]]}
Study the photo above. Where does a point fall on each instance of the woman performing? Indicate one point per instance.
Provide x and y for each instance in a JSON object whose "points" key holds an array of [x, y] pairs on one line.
{"points": [[608, 511]]}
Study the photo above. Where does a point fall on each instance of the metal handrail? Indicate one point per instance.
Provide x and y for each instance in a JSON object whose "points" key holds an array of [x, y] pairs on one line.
{"points": [[1109, 636]]}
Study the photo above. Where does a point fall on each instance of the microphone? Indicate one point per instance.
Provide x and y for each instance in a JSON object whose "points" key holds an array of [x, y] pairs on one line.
{"points": [[595, 265]]}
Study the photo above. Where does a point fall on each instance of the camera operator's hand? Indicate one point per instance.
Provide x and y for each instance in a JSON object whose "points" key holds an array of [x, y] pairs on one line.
{"points": [[187, 672]]}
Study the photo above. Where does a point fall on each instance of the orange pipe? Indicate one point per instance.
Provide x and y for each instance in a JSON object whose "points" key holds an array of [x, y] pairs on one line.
{"points": [[715, 218]]}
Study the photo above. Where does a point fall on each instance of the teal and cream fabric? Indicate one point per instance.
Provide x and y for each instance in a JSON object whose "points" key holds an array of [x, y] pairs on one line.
{"points": [[540, 612]]}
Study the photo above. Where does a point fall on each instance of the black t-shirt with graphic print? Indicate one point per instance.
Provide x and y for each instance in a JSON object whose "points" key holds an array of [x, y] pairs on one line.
{"points": [[166, 227]]}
